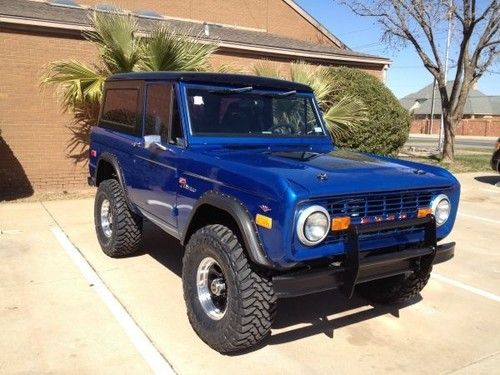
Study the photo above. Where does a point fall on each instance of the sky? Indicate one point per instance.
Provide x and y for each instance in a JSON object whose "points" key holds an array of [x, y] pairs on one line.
{"points": [[362, 34]]}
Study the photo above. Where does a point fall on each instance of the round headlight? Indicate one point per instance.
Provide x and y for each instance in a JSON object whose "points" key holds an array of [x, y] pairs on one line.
{"points": [[441, 209], [313, 225]]}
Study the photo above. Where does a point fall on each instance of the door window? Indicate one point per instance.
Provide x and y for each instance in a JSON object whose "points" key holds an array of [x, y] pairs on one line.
{"points": [[158, 110]]}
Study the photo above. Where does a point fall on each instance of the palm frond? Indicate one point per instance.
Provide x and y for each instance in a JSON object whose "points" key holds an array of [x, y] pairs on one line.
{"points": [[167, 49], [301, 72], [116, 38], [225, 68], [323, 86], [316, 77], [75, 82], [345, 115], [266, 68]]}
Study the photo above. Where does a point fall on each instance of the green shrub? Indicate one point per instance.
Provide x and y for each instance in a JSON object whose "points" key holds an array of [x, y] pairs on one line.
{"points": [[388, 125]]}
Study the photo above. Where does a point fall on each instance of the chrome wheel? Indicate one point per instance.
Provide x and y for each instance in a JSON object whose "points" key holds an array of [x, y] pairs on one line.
{"points": [[106, 218], [211, 287]]}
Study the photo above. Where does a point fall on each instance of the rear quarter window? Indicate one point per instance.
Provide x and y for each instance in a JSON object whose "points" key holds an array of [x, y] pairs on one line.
{"points": [[120, 110]]}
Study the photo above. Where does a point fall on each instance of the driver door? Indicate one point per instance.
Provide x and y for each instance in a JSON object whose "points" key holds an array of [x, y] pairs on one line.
{"points": [[156, 159]]}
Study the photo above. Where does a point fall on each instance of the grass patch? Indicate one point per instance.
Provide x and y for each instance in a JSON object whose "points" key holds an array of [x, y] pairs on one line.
{"points": [[466, 162]]}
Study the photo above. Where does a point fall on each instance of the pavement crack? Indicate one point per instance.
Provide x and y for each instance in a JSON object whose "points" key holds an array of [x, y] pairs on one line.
{"points": [[473, 362]]}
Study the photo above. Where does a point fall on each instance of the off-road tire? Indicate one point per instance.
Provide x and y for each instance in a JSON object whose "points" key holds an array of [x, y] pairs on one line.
{"points": [[251, 303], [126, 233], [395, 289]]}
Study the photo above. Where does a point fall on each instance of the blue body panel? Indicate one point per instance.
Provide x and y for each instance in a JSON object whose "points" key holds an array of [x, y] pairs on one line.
{"points": [[280, 174]]}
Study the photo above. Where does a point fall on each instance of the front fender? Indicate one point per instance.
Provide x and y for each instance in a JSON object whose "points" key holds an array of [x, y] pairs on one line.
{"points": [[238, 211]]}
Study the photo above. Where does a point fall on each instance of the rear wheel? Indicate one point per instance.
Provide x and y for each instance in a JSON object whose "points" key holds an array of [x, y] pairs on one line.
{"points": [[395, 289], [119, 230], [230, 305]]}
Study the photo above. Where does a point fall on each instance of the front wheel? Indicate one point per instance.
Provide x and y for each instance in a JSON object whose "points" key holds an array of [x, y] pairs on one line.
{"points": [[229, 305], [395, 289]]}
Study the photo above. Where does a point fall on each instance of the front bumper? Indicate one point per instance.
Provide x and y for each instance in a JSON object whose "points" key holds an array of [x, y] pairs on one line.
{"points": [[357, 268]]}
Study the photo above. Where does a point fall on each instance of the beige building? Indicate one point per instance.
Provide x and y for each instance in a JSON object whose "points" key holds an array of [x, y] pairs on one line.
{"points": [[35, 148]]}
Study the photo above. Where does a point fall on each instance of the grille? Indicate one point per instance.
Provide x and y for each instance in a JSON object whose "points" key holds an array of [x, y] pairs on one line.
{"points": [[381, 205]]}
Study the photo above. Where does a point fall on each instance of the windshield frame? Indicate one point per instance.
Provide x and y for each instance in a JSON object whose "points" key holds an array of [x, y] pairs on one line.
{"points": [[218, 138]]}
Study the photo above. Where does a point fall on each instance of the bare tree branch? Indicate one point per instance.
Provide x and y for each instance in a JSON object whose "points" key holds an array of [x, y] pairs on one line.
{"points": [[417, 23]]}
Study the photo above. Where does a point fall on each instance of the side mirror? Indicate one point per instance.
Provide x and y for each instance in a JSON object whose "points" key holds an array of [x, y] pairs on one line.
{"points": [[151, 141]]}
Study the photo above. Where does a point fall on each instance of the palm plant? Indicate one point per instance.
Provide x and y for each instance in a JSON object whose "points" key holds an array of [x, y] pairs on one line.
{"points": [[342, 115], [121, 48], [345, 115], [116, 39], [166, 49], [265, 68]]}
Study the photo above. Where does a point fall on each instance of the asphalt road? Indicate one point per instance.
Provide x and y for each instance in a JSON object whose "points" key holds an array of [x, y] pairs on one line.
{"points": [[65, 307], [460, 143]]}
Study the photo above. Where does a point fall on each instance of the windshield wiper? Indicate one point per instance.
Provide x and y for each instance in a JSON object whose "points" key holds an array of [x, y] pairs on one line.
{"points": [[280, 94], [231, 91]]}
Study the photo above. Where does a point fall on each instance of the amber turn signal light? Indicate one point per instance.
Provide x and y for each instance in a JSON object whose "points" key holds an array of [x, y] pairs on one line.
{"points": [[341, 223], [264, 221], [423, 212]]}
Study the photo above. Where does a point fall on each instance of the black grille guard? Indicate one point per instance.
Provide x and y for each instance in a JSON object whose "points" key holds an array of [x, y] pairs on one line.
{"points": [[357, 267]]}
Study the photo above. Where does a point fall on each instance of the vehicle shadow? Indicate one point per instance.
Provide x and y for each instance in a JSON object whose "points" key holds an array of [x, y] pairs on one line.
{"points": [[492, 180], [322, 313], [162, 247]]}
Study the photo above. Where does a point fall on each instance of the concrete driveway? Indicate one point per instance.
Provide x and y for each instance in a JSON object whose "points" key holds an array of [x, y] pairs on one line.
{"points": [[53, 319]]}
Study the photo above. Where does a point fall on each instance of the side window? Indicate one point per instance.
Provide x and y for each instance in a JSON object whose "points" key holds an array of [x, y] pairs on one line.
{"points": [[120, 109], [158, 109]]}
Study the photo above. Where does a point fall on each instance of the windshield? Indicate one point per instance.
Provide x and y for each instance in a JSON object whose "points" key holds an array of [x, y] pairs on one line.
{"points": [[247, 112]]}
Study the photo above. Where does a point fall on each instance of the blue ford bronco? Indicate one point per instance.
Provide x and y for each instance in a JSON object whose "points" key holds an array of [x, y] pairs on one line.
{"points": [[242, 171]]}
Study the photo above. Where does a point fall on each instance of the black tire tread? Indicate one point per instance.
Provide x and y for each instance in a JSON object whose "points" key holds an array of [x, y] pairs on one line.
{"points": [[252, 320], [127, 227], [396, 289]]}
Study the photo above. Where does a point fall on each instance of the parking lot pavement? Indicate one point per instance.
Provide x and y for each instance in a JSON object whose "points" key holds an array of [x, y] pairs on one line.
{"points": [[51, 320], [452, 329]]}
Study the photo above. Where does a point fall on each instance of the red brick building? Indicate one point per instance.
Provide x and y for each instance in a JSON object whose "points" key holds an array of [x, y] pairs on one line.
{"points": [[481, 113], [34, 152]]}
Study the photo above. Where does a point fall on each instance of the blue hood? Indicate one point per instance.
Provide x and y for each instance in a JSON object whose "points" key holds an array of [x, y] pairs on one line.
{"points": [[336, 172]]}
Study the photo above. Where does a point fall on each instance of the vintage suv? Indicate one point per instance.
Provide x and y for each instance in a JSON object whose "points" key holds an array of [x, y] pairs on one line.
{"points": [[242, 171]]}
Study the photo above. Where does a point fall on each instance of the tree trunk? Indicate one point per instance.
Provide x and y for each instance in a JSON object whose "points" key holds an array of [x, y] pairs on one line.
{"points": [[449, 138]]}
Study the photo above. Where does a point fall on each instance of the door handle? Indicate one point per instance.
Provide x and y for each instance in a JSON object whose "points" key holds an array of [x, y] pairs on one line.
{"points": [[159, 146]]}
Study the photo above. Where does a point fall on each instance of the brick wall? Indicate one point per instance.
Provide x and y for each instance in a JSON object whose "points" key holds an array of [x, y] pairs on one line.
{"points": [[479, 127], [34, 130], [275, 16]]}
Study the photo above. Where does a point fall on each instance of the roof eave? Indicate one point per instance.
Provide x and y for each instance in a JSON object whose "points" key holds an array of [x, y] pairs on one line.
{"points": [[305, 54], [27, 23]]}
